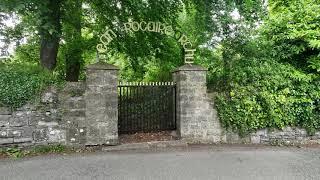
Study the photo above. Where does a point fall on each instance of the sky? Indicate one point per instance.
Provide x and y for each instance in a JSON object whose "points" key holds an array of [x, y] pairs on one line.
{"points": [[10, 22]]}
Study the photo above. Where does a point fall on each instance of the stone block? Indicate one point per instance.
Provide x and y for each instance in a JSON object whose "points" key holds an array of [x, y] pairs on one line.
{"points": [[48, 124], [255, 139], [4, 133], [75, 103], [93, 131], [264, 139], [92, 141], [22, 140], [223, 138], [36, 117], [15, 132], [80, 121], [56, 135], [262, 132], [300, 138], [26, 131], [4, 120], [111, 114], [72, 135], [233, 137], [317, 134], [40, 134], [5, 111], [19, 119], [49, 96], [74, 88], [82, 135], [74, 113], [6, 141]]}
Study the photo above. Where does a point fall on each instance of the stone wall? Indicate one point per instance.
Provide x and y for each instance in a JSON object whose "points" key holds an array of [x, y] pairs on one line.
{"points": [[81, 113], [38, 123], [58, 117], [287, 136], [85, 113], [101, 99], [197, 119], [72, 108]]}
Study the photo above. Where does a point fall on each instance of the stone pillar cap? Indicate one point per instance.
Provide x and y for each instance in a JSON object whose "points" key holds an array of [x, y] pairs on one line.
{"points": [[190, 67], [102, 66]]}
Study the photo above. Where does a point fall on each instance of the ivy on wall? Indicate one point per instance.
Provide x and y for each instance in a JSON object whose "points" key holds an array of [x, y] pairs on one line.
{"points": [[20, 83], [268, 94]]}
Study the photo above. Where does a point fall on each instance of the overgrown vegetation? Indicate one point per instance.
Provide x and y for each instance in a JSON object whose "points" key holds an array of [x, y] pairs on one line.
{"points": [[273, 79], [263, 57], [22, 82], [16, 152], [269, 94]]}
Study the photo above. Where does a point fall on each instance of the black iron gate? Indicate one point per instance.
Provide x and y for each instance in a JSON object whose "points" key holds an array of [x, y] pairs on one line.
{"points": [[145, 107]]}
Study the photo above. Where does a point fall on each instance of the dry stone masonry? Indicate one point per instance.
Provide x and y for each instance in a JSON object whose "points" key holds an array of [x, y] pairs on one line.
{"points": [[33, 123], [287, 136], [197, 119], [102, 104], [86, 113], [73, 109]]}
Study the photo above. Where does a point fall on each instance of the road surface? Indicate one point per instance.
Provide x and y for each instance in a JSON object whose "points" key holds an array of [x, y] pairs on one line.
{"points": [[196, 163]]}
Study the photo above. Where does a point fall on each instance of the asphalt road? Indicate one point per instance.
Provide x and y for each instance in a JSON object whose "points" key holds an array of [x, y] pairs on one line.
{"points": [[239, 163]]}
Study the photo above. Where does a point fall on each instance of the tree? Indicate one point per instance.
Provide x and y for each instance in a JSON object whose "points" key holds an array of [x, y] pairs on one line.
{"points": [[293, 29], [73, 39], [50, 32], [45, 16]]}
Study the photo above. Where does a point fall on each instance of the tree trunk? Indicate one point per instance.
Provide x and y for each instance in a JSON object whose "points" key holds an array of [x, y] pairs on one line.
{"points": [[50, 31], [48, 52], [73, 39]]}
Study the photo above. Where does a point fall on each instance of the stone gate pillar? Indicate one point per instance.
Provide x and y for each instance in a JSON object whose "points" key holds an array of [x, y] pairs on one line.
{"points": [[197, 119], [101, 99]]}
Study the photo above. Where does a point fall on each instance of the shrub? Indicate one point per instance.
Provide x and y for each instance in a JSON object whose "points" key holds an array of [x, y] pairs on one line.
{"points": [[268, 94], [20, 83]]}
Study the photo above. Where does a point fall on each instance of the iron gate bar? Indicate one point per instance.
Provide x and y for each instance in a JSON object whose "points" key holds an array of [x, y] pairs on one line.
{"points": [[145, 107]]}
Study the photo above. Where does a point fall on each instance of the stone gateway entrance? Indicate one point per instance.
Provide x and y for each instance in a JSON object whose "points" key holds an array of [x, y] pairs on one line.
{"points": [[146, 107]]}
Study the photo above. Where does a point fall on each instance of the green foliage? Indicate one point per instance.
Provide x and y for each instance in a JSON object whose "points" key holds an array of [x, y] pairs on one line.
{"points": [[12, 152], [293, 29], [16, 152], [20, 83], [268, 94], [268, 77], [48, 149], [270, 74], [27, 53]]}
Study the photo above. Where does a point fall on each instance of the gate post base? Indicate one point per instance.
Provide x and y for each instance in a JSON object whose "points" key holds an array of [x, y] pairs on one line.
{"points": [[101, 99], [197, 120]]}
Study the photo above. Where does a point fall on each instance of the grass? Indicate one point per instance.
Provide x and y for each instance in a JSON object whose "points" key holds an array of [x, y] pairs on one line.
{"points": [[16, 152]]}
